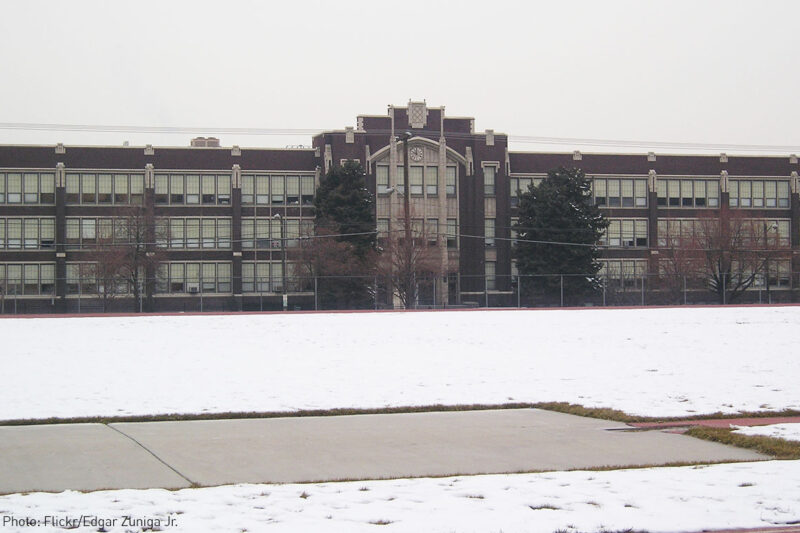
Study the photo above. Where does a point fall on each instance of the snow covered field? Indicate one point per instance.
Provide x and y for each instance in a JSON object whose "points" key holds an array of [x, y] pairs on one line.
{"points": [[656, 499], [779, 431], [642, 361]]}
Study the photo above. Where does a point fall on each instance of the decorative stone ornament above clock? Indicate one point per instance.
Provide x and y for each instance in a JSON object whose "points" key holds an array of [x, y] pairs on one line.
{"points": [[415, 153]]}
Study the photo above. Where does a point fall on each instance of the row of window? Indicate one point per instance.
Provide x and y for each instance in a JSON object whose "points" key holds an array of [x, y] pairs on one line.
{"points": [[520, 186], [29, 279], [104, 189], [688, 193], [676, 192], [759, 193], [261, 189], [193, 278], [263, 277], [674, 231], [194, 233], [421, 180], [620, 192], [193, 189], [27, 233], [27, 188], [424, 228], [266, 232], [625, 233]]}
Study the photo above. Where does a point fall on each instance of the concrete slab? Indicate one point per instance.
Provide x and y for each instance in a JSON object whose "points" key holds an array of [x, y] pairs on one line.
{"points": [[77, 456], [404, 445]]}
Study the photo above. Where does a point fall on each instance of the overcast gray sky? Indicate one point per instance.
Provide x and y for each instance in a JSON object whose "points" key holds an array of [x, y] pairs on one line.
{"points": [[703, 72]]}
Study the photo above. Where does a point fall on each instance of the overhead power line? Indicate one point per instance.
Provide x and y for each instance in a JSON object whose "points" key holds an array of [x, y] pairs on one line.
{"points": [[523, 139]]}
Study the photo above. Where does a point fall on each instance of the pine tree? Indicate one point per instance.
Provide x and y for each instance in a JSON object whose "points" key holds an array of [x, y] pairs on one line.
{"points": [[559, 228], [345, 209]]}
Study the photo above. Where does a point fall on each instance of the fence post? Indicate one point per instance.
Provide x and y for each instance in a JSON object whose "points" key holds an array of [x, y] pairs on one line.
{"points": [[643, 279], [724, 290], [485, 290], [316, 303], [604, 292], [685, 300], [562, 290], [519, 291]]}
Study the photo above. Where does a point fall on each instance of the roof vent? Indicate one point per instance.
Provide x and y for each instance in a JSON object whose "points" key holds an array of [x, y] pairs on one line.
{"points": [[204, 142]]}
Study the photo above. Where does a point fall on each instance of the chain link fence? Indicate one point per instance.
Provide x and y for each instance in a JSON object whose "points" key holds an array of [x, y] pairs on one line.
{"points": [[25, 296]]}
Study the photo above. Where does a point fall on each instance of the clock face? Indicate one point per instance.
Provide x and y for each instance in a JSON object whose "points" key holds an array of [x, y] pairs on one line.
{"points": [[415, 153]]}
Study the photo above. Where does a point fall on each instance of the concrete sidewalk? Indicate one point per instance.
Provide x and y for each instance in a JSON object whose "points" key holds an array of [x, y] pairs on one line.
{"points": [[214, 452]]}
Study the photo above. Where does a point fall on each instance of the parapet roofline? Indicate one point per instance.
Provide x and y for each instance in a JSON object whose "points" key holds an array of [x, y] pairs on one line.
{"points": [[155, 147], [715, 155]]}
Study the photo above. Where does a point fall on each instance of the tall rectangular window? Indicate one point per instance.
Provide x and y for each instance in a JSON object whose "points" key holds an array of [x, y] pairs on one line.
{"points": [[31, 233], [224, 189], [489, 231], [600, 192], [192, 189], [104, 186], [176, 233], [192, 232], [783, 194], [432, 181], [415, 180], [2, 188], [31, 184], [177, 277], [224, 232], [162, 189], [451, 178], [733, 193], [224, 277], [640, 192], [14, 195], [47, 233], [307, 188], [626, 187], [491, 275], [381, 179], [262, 189], [292, 190], [489, 180], [278, 190], [47, 273], [176, 189], [613, 193], [121, 189], [209, 232], [248, 233], [248, 189], [452, 233], [137, 189], [209, 189], [88, 188]]}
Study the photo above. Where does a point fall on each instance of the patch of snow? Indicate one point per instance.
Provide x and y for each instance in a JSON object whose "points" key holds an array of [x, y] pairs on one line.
{"points": [[780, 431], [656, 362], [656, 499]]}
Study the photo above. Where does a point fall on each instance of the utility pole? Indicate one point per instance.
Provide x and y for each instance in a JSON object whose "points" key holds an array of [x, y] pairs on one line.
{"points": [[280, 219], [408, 249], [406, 188]]}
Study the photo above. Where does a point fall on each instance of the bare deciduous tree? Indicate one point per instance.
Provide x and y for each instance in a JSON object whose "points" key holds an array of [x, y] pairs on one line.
{"points": [[725, 251]]}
